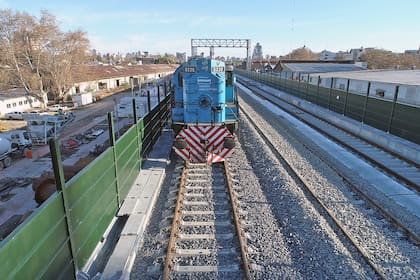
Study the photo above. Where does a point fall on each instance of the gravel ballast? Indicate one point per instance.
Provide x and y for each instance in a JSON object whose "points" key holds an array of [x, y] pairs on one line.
{"points": [[288, 235], [385, 246]]}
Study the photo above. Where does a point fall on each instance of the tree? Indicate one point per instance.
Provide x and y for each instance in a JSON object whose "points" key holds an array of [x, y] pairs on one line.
{"points": [[37, 55], [63, 56], [302, 54], [379, 59], [4, 77], [166, 59], [383, 59]]}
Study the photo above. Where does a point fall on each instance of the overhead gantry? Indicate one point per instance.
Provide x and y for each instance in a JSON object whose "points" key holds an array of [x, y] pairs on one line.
{"points": [[222, 43]]}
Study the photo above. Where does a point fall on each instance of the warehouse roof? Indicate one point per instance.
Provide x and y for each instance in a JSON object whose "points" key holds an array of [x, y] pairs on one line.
{"points": [[12, 93], [98, 72], [406, 77], [319, 67]]}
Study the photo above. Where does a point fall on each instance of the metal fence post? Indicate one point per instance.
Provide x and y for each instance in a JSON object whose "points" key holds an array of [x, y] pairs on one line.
{"points": [[307, 88], [298, 89], [60, 185], [317, 90], [114, 152], [137, 129], [149, 106], [329, 95], [345, 99], [280, 86], [366, 101], [134, 110], [391, 117], [158, 93]]}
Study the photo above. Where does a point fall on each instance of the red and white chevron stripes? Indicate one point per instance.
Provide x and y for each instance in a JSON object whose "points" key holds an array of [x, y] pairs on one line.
{"points": [[204, 144]]}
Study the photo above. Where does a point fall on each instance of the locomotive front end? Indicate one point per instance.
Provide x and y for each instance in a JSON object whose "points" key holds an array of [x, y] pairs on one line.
{"points": [[200, 110]]}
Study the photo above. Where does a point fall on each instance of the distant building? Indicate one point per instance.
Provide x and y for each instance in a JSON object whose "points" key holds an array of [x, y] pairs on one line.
{"points": [[327, 56], [357, 53], [16, 100], [95, 78], [257, 53], [146, 60], [294, 69], [353, 54], [181, 57], [415, 52]]}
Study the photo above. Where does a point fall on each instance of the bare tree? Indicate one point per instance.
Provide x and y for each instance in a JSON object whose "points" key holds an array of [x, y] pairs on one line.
{"points": [[64, 56], [39, 57], [408, 61], [302, 54], [380, 59]]}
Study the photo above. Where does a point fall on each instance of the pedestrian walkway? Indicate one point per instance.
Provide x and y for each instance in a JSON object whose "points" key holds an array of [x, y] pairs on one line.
{"points": [[138, 207]]}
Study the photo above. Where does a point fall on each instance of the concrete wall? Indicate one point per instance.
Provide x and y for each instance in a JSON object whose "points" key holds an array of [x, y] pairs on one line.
{"points": [[409, 94]]}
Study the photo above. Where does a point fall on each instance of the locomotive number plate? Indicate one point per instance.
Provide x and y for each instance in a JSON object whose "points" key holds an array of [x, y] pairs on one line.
{"points": [[189, 69], [218, 69]]}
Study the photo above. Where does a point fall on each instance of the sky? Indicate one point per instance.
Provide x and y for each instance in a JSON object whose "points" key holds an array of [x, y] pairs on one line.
{"points": [[158, 26]]}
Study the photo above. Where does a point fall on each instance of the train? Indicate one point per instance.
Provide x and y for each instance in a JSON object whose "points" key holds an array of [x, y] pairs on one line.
{"points": [[204, 110]]}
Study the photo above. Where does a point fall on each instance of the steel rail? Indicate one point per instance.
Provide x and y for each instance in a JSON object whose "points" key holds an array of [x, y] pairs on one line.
{"points": [[412, 235], [380, 165], [177, 217], [236, 219], [177, 213], [302, 181]]}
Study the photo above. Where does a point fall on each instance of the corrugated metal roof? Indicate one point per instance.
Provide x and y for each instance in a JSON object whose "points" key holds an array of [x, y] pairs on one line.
{"points": [[98, 72], [16, 92], [320, 67], [406, 77]]}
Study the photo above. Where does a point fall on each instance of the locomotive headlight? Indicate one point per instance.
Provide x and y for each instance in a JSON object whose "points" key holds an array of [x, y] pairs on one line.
{"points": [[180, 143], [229, 142], [205, 101]]}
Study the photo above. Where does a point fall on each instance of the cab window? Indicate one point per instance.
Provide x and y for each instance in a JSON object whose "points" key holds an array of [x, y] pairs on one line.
{"points": [[180, 78], [229, 81]]}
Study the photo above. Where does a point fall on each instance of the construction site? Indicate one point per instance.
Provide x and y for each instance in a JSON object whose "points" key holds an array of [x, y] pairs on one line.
{"points": [[26, 177]]}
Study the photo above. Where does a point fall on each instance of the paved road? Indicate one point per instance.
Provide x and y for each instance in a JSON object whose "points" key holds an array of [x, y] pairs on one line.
{"points": [[89, 113]]}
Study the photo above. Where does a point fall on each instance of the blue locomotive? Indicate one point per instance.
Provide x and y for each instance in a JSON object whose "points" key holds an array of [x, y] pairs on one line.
{"points": [[204, 110]]}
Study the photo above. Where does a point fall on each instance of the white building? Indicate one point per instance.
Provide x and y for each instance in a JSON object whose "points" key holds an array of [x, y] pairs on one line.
{"points": [[16, 100], [82, 99], [353, 54], [104, 77], [327, 56]]}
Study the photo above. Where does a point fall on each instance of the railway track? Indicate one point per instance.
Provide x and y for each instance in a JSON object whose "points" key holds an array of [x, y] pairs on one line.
{"points": [[339, 223], [404, 170], [206, 241], [349, 141]]}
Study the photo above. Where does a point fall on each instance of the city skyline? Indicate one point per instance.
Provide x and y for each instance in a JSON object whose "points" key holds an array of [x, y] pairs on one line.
{"points": [[279, 26]]}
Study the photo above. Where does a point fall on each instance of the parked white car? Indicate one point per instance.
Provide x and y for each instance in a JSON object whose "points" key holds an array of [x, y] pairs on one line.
{"points": [[14, 116], [57, 108]]}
